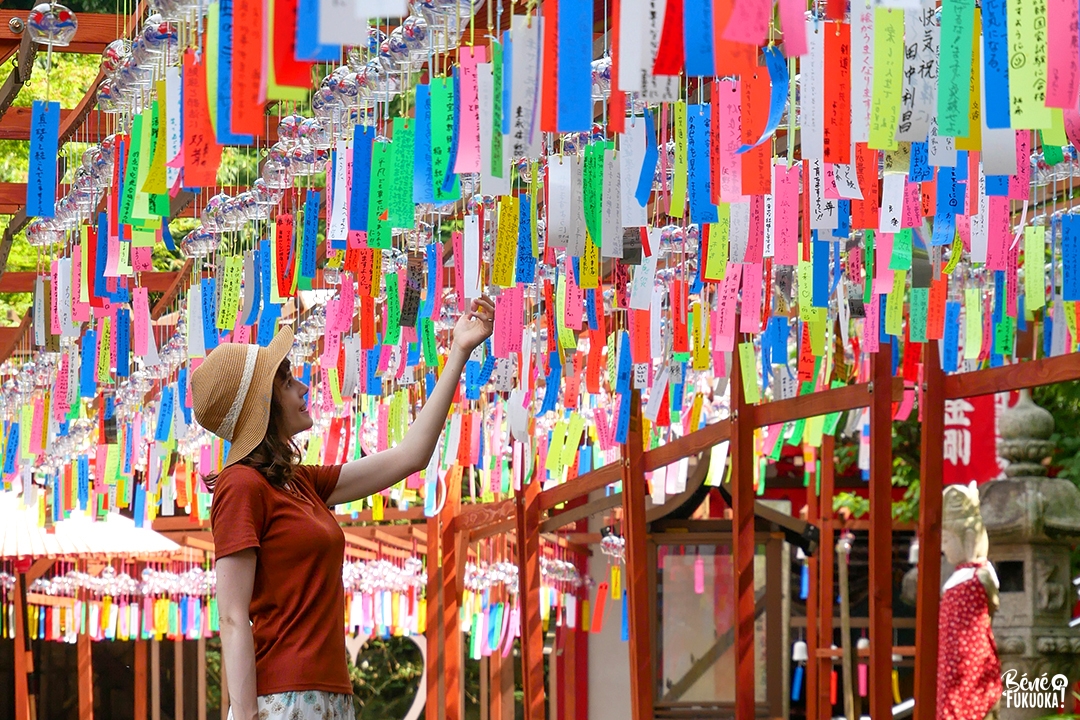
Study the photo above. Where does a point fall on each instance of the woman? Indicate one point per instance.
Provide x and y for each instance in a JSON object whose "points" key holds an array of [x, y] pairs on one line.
{"points": [[279, 548]]}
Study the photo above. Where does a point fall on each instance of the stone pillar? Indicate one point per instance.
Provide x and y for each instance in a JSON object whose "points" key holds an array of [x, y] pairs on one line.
{"points": [[1032, 521]]}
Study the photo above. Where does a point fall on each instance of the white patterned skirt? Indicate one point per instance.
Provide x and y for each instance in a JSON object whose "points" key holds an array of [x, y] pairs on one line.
{"points": [[305, 705]]}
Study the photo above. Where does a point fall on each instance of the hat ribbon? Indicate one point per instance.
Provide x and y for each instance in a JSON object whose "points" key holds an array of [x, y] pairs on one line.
{"points": [[228, 425]]}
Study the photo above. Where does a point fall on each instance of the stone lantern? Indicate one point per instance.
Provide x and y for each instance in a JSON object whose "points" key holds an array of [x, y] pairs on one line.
{"points": [[1032, 521]]}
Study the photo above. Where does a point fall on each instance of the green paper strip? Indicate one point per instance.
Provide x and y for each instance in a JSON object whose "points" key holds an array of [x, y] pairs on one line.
{"points": [[402, 210], [131, 171], [382, 162], [442, 129], [954, 75], [888, 77]]}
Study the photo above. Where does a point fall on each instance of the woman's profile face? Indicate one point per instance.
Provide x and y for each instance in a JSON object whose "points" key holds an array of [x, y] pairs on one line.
{"points": [[292, 404]]}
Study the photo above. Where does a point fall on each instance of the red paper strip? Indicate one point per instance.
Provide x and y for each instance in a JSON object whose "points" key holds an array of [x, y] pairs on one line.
{"points": [[248, 96], [671, 55], [837, 136], [202, 154], [730, 58], [287, 69], [756, 167], [549, 103], [864, 213], [617, 99]]}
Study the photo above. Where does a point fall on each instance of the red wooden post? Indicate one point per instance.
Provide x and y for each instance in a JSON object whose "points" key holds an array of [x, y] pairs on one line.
{"points": [[881, 535], [742, 546], [532, 633], [826, 552], [929, 587], [141, 675], [450, 590], [637, 574], [23, 659], [433, 628], [84, 654], [813, 601]]}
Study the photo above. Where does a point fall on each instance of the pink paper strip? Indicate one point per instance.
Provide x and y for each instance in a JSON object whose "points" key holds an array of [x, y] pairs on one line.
{"points": [[1063, 53], [468, 149]]}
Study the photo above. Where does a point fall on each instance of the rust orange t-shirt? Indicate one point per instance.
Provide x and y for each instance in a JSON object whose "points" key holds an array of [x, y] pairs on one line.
{"points": [[298, 602]]}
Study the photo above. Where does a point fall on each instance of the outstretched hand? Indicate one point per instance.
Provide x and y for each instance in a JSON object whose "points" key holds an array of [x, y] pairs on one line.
{"points": [[475, 326]]}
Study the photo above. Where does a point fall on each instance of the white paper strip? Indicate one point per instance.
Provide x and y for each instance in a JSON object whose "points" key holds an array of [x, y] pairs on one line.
{"points": [[631, 159], [339, 214], [823, 214], [471, 256], [525, 76], [611, 243], [812, 93], [641, 285], [918, 99], [173, 118], [485, 86]]}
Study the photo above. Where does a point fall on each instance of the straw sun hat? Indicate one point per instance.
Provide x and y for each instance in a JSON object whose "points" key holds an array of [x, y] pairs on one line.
{"points": [[231, 390]]}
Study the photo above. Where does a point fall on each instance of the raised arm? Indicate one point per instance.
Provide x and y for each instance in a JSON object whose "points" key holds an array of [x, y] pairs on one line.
{"points": [[374, 473], [235, 580]]}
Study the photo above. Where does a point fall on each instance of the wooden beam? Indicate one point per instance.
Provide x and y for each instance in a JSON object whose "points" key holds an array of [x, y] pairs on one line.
{"points": [[200, 678], [881, 536], [693, 443], [20, 74], [96, 30], [581, 485], [141, 678], [84, 652], [23, 281], [15, 125], [1028, 374], [742, 545], [850, 397], [931, 467], [527, 503]]}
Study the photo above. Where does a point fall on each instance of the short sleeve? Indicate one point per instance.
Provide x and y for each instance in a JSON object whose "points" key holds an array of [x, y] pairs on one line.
{"points": [[239, 509], [322, 478]]}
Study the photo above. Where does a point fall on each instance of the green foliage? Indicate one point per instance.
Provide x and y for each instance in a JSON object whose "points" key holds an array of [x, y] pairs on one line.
{"points": [[1063, 402], [386, 679], [856, 505], [67, 82]]}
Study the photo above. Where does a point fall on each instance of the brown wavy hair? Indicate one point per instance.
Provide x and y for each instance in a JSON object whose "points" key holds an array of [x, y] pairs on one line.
{"points": [[277, 456]]}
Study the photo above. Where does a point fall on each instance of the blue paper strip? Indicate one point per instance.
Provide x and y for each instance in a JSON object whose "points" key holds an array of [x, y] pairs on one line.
{"points": [[182, 393], [123, 342], [820, 260], [702, 210], [423, 190], [225, 135], [267, 323], [209, 313], [778, 79], [526, 263], [575, 67], [165, 415], [1070, 258], [363, 137], [44, 142], [996, 63], [697, 37], [450, 178], [83, 466], [87, 365], [307, 35], [310, 240], [950, 358], [920, 170], [507, 82]]}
